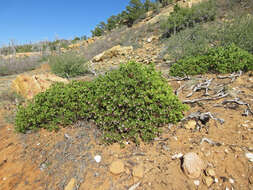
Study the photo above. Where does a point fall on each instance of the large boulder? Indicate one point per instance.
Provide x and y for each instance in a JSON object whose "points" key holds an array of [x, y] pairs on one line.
{"points": [[113, 52], [29, 86]]}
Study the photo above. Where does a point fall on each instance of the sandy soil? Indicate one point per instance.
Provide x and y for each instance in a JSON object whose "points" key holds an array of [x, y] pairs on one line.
{"points": [[49, 160]]}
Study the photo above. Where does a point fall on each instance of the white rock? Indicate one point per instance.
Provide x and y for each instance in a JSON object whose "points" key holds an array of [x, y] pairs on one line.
{"points": [[149, 40], [249, 156], [176, 156], [216, 180], [97, 158], [193, 165], [196, 182], [134, 186], [231, 180]]}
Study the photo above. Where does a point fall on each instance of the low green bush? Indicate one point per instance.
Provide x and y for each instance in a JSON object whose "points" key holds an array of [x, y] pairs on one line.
{"points": [[130, 103], [182, 18], [223, 59], [67, 65]]}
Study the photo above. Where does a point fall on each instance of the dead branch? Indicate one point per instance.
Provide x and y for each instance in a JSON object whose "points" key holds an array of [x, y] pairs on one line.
{"points": [[216, 97], [205, 85], [203, 117], [179, 89], [237, 101], [210, 142], [232, 76], [180, 78]]}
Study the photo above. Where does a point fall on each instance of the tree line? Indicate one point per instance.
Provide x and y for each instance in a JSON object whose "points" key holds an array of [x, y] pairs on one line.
{"points": [[133, 12]]}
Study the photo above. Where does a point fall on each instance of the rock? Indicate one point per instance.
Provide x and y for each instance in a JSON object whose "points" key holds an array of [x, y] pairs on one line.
{"points": [[29, 86], [117, 167], [231, 181], [138, 171], [249, 156], [133, 187], [251, 178], [191, 124], [176, 156], [193, 165], [97, 158], [71, 184], [149, 39], [113, 52], [90, 40], [196, 182], [210, 172], [208, 181]]}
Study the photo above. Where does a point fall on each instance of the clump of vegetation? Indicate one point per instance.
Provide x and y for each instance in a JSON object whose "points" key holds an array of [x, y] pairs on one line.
{"points": [[130, 103], [224, 59], [59, 105], [67, 65], [133, 102], [182, 18]]}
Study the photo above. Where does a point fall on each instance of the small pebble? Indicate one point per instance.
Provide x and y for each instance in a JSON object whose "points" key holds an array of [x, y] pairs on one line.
{"points": [[196, 182], [231, 180], [216, 180], [176, 156], [97, 158], [249, 156]]}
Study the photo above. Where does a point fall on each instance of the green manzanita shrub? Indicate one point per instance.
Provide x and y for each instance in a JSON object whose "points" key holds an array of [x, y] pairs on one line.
{"points": [[133, 102], [223, 59], [130, 103]]}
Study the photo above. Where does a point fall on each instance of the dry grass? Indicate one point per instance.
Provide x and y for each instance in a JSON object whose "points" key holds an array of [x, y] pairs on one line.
{"points": [[18, 65], [123, 36]]}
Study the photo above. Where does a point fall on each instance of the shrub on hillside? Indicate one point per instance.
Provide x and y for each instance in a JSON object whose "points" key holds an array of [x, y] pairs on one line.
{"points": [[224, 59], [67, 65], [130, 103], [182, 18]]}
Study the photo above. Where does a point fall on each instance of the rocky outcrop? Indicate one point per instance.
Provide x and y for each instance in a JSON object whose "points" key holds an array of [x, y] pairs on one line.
{"points": [[113, 52], [29, 86]]}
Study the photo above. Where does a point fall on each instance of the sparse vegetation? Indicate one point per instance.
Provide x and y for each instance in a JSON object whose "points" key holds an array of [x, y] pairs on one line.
{"points": [[69, 64], [225, 59], [18, 65], [134, 12], [238, 30], [129, 103], [182, 18], [197, 40]]}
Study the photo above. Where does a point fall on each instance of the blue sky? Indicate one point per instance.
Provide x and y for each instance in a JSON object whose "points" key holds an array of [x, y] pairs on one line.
{"points": [[36, 20]]}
